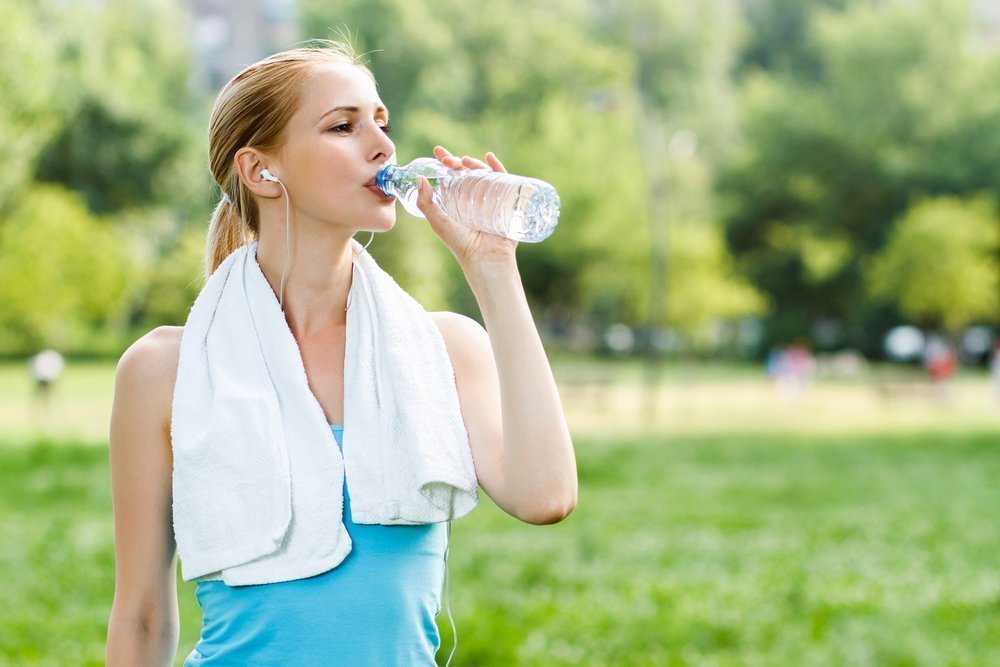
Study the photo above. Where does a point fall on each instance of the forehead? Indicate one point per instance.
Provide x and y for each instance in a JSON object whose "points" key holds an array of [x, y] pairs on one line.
{"points": [[338, 84]]}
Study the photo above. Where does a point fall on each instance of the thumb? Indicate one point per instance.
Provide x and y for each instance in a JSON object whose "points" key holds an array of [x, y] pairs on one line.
{"points": [[426, 203], [425, 194], [433, 213]]}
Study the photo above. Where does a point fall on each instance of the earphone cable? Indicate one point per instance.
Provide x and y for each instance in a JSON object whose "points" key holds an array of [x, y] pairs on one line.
{"points": [[288, 247], [447, 601], [350, 293]]}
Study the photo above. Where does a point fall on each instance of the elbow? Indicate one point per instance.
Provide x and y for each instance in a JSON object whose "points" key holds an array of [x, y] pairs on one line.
{"points": [[141, 637], [551, 512]]}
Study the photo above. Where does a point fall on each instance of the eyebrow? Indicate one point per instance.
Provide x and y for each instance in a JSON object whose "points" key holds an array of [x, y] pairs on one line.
{"points": [[351, 109]]}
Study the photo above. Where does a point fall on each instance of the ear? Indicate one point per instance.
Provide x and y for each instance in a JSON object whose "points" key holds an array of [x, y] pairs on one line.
{"points": [[249, 162]]}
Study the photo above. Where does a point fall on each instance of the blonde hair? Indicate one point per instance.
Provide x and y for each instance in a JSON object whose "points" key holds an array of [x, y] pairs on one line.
{"points": [[252, 110]]}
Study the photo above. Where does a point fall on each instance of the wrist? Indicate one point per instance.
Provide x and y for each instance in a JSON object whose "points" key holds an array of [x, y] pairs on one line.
{"points": [[482, 274]]}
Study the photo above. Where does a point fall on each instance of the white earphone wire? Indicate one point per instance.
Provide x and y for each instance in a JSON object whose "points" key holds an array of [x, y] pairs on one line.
{"points": [[288, 245], [370, 239], [447, 601], [288, 240], [347, 306]]}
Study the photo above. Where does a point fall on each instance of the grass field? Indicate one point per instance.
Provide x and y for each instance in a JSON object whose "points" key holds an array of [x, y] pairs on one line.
{"points": [[717, 525]]}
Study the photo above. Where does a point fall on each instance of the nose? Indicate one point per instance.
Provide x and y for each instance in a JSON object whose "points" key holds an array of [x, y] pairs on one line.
{"points": [[382, 147]]}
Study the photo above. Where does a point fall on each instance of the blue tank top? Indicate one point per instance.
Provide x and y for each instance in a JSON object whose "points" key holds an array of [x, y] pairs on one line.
{"points": [[377, 607]]}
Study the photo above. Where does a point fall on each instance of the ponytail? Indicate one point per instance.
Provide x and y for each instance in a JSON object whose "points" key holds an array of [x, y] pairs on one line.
{"points": [[226, 233]]}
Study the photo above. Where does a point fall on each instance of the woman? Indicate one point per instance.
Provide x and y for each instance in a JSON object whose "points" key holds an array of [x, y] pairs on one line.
{"points": [[295, 142]]}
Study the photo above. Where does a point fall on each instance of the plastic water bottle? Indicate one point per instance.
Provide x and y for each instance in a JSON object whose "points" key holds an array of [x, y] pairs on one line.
{"points": [[516, 207]]}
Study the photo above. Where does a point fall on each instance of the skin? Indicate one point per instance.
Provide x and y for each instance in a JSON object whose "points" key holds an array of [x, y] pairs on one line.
{"points": [[520, 442]]}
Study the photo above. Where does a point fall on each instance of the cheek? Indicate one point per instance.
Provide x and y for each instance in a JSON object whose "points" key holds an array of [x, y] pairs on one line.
{"points": [[333, 169]]}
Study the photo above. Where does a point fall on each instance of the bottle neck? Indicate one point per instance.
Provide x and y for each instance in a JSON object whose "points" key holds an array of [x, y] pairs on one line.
{"points": [[401, 182], [385, 179]]}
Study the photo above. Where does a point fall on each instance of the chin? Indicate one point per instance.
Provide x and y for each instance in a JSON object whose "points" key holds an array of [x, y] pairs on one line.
{"points": [[386, 222]]}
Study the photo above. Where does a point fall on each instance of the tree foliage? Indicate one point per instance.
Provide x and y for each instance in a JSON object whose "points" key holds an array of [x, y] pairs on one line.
{"points": [[127, 137], [63, 272], [28, 87], [896, 108], [103, 169], [814, 134], [941, 265]]}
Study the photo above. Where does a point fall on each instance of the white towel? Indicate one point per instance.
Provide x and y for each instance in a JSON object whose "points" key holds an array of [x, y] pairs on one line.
{"points": [[258, 478]]}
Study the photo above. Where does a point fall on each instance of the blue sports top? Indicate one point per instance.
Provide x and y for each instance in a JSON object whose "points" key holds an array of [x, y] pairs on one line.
{"points": [[376, 608]]}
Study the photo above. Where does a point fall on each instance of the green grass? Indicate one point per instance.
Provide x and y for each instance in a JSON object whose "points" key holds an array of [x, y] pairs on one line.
{"points": [[725, 528], [742, 551]]}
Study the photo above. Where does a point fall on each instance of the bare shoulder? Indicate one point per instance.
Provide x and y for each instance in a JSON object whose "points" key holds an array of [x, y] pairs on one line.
{"points": [[147, 372], [453, 325], [152, 357], [463, 336]]}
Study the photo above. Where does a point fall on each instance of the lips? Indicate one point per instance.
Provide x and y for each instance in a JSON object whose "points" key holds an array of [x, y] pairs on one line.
{"points": [[375, 189]]}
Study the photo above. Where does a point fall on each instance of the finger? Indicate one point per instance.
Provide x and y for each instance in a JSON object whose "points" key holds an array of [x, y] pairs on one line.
{"points": [[445, 157], [473, 163], [494, 162]]}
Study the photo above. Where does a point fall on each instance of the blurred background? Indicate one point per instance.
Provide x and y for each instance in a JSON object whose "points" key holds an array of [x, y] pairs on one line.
{"points": [[772, 305]]}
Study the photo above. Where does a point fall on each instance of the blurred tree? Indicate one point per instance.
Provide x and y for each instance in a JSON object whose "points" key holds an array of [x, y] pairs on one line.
{"points": [[28, 88], [705, 288], [897, 107], [847, 112], [175, 278], [104, 112], [941, 265], [685, 112], [777, 35], [126, 137], [63, 272]]}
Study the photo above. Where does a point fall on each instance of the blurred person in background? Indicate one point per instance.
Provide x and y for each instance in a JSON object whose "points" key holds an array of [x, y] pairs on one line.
{"points": [[45, 368], [790, 368], [940, 360], [214, 424]]}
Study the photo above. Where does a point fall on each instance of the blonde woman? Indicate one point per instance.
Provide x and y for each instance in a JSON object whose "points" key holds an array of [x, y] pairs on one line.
{"points": [[304, 441]]}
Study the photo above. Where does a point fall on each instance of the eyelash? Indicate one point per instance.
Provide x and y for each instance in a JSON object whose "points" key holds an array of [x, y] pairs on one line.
{"points": [[348, 127]]}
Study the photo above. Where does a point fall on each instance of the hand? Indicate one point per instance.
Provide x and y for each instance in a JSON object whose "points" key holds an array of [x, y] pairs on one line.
{"points": [[467, 245]]}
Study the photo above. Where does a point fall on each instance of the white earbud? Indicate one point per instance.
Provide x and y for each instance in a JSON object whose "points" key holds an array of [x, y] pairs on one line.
{"points": [[268, 176]]}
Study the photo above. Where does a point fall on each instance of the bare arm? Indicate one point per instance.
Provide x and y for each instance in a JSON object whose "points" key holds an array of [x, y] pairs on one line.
{"points": [[520, 441], [143, 628]]}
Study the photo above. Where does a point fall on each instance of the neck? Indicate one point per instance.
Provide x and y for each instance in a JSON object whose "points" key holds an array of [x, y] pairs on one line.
{"points": [[317, 281]]}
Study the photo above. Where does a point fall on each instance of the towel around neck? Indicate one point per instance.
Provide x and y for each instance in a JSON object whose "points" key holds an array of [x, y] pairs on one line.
{"points": [[258, 477]]}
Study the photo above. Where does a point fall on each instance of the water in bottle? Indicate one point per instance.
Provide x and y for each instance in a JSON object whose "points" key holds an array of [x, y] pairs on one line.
{"points": [[517, 207]]}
